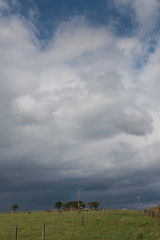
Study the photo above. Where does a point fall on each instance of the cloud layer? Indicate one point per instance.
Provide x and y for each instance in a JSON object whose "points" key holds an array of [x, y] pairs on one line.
{"points": [[83, 111]]}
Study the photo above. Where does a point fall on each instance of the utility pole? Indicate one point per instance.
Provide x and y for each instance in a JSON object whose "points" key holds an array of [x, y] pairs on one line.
{"points": [[139, 202], [78, 192]]}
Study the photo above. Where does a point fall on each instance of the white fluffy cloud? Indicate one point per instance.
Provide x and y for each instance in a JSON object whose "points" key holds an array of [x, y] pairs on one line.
{"points": [[146, 14]]}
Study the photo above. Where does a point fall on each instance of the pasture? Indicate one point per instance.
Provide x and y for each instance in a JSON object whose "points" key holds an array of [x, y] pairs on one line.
{"points": [[97, 225]]}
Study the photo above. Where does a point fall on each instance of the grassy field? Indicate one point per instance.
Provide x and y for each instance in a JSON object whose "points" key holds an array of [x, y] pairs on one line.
{"points": [[97, 225]]}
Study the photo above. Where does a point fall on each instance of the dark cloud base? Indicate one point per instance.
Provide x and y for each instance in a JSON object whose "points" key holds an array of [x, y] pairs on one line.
{"points": [[111, 193]]}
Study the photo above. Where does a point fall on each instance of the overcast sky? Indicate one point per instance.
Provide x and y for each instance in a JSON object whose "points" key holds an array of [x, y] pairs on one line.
{"points": [[79, 102]]}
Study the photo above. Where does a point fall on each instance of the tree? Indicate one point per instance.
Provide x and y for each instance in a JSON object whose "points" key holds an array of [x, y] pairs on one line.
{"points": [[14, 207], [94, 205], [90, 205], [58, 205], [74, 205]]}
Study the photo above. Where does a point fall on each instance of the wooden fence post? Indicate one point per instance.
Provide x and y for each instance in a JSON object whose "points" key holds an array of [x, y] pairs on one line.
{"points": [[43, 231], [15, 233]]}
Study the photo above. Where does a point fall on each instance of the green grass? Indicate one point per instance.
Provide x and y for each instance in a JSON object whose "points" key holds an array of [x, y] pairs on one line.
{"points": [[98, 225]]}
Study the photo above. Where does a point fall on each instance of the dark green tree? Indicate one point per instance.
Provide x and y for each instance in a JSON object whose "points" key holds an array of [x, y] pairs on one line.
{"points": [[74, 205], [96, 204], [93, 205], [58, 205], [90, 205], [14, 207]]}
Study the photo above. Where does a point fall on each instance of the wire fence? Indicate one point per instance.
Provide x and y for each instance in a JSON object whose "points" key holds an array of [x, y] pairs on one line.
{"points": [[81, 221]]}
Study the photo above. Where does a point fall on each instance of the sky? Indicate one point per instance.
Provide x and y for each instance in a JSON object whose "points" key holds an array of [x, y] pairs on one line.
{"points": [[79, 102]]}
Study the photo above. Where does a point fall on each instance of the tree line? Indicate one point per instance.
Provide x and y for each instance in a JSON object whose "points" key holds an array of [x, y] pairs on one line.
{"points": [[74, 205], [71, 205]]}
